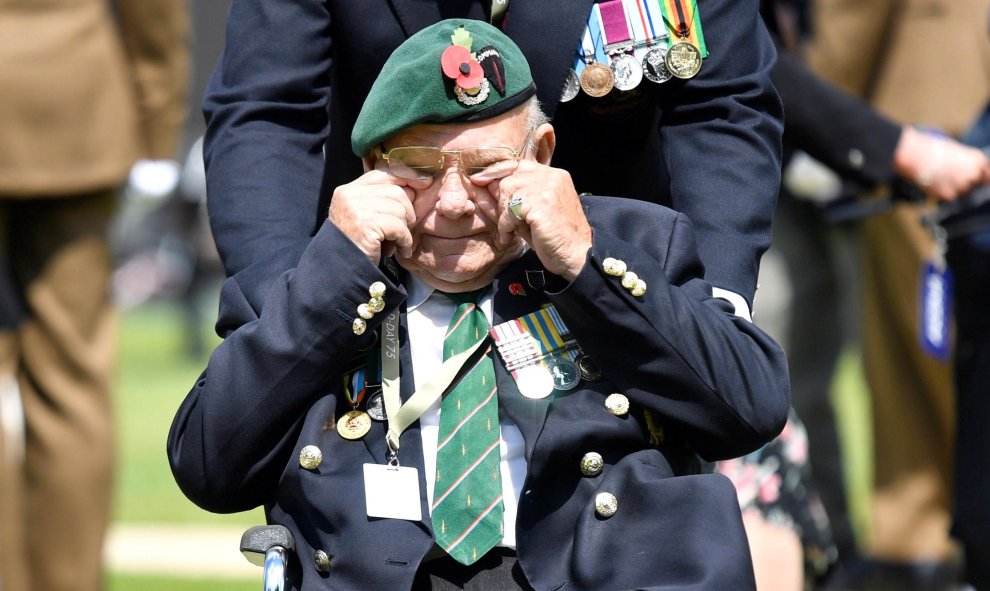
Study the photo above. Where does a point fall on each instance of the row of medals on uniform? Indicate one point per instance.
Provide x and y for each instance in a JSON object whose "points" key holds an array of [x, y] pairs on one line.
{"points": [[625, 72], [563, 373]]}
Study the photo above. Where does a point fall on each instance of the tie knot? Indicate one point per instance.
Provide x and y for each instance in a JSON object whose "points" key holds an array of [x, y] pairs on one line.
{"points": [[467, 297]]}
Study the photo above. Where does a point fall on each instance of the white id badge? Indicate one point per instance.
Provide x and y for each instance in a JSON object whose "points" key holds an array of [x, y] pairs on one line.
{"points": [[392, 492]]}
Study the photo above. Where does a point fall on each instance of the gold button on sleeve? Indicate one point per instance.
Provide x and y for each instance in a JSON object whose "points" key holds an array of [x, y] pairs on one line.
{"points": [[359, 326], [377, 289]]}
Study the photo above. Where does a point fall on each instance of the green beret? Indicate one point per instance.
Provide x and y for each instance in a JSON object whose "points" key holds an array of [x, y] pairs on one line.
{"points": [[455, 71]]}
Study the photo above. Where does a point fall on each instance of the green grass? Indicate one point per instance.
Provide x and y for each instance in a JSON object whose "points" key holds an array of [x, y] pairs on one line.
{"points": [[853, 417], [119, 582], [154, 375]]}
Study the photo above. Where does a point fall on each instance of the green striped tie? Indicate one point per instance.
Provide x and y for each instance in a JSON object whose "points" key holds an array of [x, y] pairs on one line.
{"points": [[467, 503]]}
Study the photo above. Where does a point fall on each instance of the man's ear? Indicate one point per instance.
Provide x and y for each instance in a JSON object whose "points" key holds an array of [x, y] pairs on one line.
{"points": [[370, 160], [546, 141]]}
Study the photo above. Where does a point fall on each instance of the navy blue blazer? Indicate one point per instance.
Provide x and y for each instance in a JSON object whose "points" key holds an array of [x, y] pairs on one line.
{"points": [[714, 384], [287, 90]]}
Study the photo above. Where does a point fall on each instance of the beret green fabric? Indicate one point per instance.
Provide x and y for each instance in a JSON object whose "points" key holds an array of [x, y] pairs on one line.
{"points": [[445, 73]]}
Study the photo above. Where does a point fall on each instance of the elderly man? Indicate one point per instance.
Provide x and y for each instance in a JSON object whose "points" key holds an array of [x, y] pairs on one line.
{"points": [[477, 379]]}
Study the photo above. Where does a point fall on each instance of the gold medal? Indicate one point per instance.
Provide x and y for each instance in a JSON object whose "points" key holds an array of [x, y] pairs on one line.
{"points": [[354, 425], [597, 80], [683, 60]]}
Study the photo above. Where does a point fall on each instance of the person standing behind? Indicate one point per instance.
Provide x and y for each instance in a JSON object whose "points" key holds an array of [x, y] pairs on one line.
{"points": [[294, 74], [89, 88], [894, 54]]}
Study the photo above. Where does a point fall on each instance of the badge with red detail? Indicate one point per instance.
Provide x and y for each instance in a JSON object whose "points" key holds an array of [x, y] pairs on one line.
{"points": [[473, 75]]}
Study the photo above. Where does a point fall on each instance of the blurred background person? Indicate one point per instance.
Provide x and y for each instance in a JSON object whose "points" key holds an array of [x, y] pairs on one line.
{"points": [[968, 235], [89, 88], [863, 150], [923, 62]]}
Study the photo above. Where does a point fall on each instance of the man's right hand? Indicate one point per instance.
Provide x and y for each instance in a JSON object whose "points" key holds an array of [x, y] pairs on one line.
{"points": [[375, 211]]}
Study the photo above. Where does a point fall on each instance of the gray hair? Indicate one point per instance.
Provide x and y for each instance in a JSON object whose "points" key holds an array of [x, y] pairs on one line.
{"points": [[535, 117]]}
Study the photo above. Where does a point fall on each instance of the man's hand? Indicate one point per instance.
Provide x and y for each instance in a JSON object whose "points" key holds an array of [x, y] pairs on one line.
{"points": [[941, 166], [553, 221], [375, 211]]}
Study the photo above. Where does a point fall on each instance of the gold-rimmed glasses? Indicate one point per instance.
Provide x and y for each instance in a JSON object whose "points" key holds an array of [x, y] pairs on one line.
{"points": [[423, 162]]}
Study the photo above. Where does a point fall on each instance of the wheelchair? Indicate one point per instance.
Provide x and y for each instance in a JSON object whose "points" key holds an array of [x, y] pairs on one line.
{"points": [[269, 546]]}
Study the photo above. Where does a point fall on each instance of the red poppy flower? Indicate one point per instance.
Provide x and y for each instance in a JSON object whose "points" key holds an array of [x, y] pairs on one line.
{"points": [[517, 289], [458, 65]]}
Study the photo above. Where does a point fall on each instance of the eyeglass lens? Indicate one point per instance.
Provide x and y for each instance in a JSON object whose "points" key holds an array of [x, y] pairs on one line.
{"points": [[417, 162]]}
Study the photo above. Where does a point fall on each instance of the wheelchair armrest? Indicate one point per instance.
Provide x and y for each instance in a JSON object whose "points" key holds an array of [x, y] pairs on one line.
{"points": [[257, 541]]}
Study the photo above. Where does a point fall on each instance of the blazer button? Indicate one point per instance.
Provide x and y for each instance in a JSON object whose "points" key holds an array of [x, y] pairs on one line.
{"points": [[613, 267], [377, 289], [310, 457], [322, 562], [364, 311], [359, 326], [592, 464], [617, 404], [606, 504], [629, 279], [376, 305]]}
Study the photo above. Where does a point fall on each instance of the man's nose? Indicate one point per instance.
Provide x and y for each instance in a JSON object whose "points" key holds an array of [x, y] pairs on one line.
{"points": [[454, 197]]}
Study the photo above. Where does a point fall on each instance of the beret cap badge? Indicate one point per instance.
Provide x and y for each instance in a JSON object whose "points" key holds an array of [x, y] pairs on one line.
{"points": [[453, 71], [471, 87]]}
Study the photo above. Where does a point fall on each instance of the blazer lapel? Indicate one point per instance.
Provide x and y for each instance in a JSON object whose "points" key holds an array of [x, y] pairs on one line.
{"points": [[519, 290], [549, 37]]}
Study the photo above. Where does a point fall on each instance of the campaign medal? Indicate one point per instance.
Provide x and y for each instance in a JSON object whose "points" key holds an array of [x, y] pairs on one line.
{"points": [[627, 70], [534, 381], [683, 60], [376, 406], [539, 353], [565, 373], [572, 86], [597, 80], [588, 368], [354, 425], [655, 65]]}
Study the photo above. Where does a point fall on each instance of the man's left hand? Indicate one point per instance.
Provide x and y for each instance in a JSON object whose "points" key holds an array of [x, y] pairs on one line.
{"points": [[553, 221]]}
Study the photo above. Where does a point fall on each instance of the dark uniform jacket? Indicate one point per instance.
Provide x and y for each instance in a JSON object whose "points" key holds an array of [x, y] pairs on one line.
{"points": [[709, 146], [713, 385]]}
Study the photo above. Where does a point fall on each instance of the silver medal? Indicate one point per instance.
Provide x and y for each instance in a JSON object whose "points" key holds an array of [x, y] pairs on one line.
{"points": [[534, 381], [655, 65], [572, 86], [376, 406], [628, 72], [565, 373]]}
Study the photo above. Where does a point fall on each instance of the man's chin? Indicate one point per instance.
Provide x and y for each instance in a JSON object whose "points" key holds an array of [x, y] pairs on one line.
{"points": [[455, 273], [452, 279]]}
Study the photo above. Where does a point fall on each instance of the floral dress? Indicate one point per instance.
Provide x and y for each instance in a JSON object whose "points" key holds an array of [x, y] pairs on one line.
{"points": [[776, 481]]}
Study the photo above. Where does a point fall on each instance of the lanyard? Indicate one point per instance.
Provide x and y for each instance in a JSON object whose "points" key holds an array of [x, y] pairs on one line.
{"points": [[400, 415]]}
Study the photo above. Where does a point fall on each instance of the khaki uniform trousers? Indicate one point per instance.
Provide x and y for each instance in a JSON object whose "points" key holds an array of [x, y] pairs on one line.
{"points": [[55, 501], [912, 396]]}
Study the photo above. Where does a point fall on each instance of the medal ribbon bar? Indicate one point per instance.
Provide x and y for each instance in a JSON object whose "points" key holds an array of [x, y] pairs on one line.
{"points": [[615, 26], [684, 22]]}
